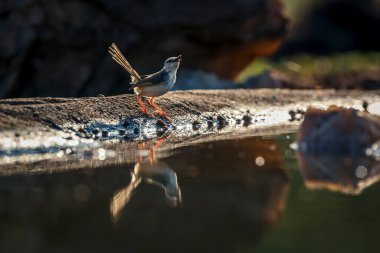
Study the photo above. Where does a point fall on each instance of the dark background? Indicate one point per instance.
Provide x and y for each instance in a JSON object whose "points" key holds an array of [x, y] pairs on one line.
{"points": [[59, 48]]}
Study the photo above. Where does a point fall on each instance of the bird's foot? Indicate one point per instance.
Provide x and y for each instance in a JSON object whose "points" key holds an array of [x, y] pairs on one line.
{"points": [[163, 114], [147, 113]]}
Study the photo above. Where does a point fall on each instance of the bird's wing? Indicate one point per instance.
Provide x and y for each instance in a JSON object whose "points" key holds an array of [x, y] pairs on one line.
{"points": [[119, 58], [153, 79]]}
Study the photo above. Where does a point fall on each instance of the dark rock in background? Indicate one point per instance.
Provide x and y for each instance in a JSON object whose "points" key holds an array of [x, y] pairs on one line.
{"points": [[59, 48], [338, 130], [336, 26], [336, 148]]}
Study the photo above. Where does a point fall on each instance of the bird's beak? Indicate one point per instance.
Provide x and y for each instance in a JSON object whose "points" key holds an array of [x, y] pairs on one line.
{"points": [[179, 58]]}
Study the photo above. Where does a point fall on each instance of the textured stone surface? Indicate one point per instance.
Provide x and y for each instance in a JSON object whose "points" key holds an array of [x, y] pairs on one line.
{"points": [[36, 129], [61, 112]]}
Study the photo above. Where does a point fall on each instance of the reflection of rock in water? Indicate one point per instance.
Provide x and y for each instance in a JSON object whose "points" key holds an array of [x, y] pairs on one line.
{"points": [[339, 173], [229, 200], [156, 173]]}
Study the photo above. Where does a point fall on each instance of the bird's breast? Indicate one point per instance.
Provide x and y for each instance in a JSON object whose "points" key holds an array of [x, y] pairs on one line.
{"points": [[153, 90], [160, 89]]}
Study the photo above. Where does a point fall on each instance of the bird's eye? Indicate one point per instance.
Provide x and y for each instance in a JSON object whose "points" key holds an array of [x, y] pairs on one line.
{"points": [[170, 60]]}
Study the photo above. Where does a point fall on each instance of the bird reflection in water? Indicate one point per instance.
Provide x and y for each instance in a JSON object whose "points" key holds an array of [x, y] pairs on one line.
{"points": [[153, 172]]}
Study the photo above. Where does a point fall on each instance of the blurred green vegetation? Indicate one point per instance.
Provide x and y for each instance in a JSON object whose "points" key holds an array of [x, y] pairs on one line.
{"points": [[308, 66], [296, 9]]}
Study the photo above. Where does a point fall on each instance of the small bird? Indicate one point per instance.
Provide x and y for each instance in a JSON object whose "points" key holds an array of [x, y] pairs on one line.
{"points": [[153, 85]]}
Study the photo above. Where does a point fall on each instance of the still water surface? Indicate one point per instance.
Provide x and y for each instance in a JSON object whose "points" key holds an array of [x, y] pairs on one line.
{"points": [[254, 194]]}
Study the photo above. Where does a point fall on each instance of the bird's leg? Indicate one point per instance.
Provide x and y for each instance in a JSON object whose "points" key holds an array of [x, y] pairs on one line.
{"points": [[155, 147], [159, 110], [143, 108]]}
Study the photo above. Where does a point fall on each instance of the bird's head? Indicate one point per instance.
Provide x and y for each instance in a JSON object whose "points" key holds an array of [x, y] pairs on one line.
{"points": [[172, 63]]}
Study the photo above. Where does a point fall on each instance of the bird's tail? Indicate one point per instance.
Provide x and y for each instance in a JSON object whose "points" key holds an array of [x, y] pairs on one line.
{"points": [[119, 58]]}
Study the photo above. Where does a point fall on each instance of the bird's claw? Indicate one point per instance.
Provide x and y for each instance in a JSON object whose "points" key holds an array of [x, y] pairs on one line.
{"points": [[163, 114], [147, 113]]}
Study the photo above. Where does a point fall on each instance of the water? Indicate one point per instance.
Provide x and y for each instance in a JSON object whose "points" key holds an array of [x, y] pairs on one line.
{"points": [[251, 194]]}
